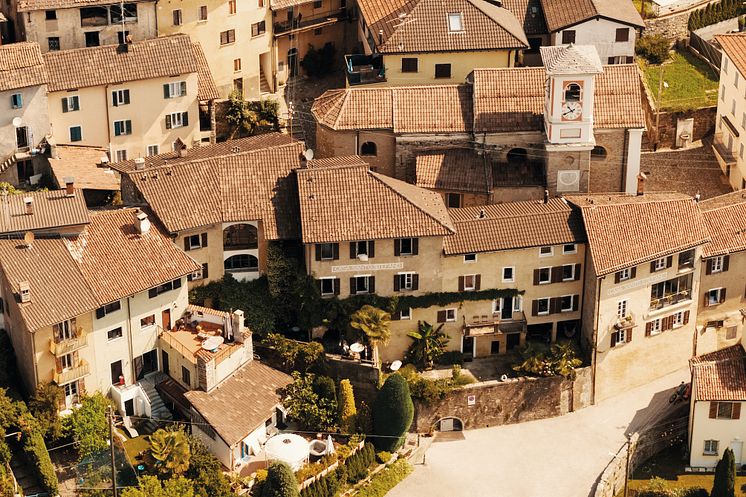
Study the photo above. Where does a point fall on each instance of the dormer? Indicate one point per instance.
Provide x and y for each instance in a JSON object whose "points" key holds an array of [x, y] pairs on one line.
{"points": [[24, 289]]}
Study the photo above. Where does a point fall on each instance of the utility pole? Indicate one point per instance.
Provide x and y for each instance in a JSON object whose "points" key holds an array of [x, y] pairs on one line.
{"points": [[110, 417], [626, 466]]}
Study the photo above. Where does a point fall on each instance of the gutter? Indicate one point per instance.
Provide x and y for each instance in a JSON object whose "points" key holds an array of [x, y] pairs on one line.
{"points": [[594, 361], [129, 340]]}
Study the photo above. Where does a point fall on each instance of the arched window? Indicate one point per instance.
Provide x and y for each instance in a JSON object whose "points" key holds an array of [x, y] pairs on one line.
{"points": [[517, 156], [368, 148], [241, 262], [572, 92], [598, 153], [240, 237]]}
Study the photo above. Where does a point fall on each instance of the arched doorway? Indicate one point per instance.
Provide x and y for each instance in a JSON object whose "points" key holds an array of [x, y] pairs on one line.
{"points": [[449, 423], [517, 157], [240, 237], [241, 262]]}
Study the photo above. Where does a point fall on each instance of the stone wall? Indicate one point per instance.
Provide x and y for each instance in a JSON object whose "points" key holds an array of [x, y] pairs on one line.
{"points": [[704, 124], [672, 27], [493, 403]]}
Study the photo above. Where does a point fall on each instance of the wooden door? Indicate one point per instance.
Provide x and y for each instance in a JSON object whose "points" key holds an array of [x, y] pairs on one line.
{"points": [[166, 319]]}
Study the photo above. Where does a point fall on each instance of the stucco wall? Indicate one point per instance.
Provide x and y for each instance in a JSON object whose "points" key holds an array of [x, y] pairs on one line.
{"points": [[33, 114], [462, 63], [601, 33], [728, 432], [330, 143]]}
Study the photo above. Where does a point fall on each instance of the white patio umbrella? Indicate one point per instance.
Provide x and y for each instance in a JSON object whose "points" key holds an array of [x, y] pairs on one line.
{"points": [[329, 445]]}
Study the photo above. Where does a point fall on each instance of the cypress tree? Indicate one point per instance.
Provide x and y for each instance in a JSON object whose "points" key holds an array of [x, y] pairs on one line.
{"points": [[280, 481], [725, 476], [393, 413], [347, 410]]}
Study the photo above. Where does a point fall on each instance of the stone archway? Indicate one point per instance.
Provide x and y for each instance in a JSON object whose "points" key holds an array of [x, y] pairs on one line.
{"points": [[449, 423]]}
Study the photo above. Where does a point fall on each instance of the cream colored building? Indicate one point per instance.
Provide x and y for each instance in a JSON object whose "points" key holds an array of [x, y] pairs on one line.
{"points": [[136, 100], [641, 286], [65, 25], [428, 42], [730, 126], [236, 37]]}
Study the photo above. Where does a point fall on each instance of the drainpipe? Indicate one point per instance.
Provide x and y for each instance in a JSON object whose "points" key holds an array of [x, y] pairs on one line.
{"points": [[108, 123], [594, 361], [357, 142], [129, 340]]}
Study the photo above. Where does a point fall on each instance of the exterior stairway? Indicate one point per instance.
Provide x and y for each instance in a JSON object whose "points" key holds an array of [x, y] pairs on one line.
{"points": [[8, 162], [264, 87], [159, 413]]}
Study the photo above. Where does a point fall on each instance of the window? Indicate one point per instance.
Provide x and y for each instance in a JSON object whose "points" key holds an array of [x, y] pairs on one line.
{"points": [[50, 15], [468, 258], [727, 410], [572, 92], [568, 272], [677, 319], [567, 303], [166, 287], [122, 36], [147, 321], [405, 313], [16, 101], [405, 282], [203, 13], [329, 286], [659, 264], [236, 65], [711, 447], [177, 120], [736, 80], [258, 28], [743, 120], [114, 334], [362, 247], [317, 4], [716, 264], [318, 31], [542, 306], [620, 336], [568, 36], [405, 246], [66, 330], [241, 262], [654, 327], [231, 6], [622, 34], [92, 39], [175, 89], [454, 200], [361, 284], [227, 37], [715, 296], [121, 155], [326, 250], [508, 274], [621, 309], [409, 64], [176, 16], [70, 104], [570, 248], [108, 309], [470, 282], [76, 134], [53, 42], [368, 148], [122, 127], [153, 150], [545, 275], [450, 315], [686, 259], [194, 242], [94, 16], [731, 332], [442, 70], [120, 97], [545, 251], [671, 291], [128, 15], [455, 22], [186, 376]]}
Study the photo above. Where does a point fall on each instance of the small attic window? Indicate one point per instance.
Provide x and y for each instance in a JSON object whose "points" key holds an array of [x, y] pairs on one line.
{"points": [[455, 22]]}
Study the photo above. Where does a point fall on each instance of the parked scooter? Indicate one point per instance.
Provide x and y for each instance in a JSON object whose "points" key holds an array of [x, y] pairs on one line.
{"points": [[681, 393]]}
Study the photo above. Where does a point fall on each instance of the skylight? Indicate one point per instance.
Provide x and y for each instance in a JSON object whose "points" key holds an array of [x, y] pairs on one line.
{"points": [[455, 22]]}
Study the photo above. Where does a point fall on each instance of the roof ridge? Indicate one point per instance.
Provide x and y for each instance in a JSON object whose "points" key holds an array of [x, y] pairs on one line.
{"points": [[380, 179], [501, 25], [62, 53]]}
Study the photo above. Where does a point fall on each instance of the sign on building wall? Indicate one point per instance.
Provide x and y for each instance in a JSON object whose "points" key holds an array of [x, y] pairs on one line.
{"points": [[356, 268]]}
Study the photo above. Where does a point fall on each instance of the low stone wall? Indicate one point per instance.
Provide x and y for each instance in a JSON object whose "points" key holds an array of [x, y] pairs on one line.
{"points": [[493, 403], [704, 124], [672, 27]]}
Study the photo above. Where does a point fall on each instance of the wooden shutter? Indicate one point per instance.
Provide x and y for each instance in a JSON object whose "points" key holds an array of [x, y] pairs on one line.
{"points": [[138, 366], [708, 268], [706, 303], [336, 286], [371, 284], [126, 96], [204, 240], [335, 251], [166, 93], [168, 121], [736, 410], [415, 246], [114, 99], [371, 249], [397, 283], [633, 272], [353, 286], [536, 276], [441, 316], [183, 88], [100, 312], [477, 282], [652, 267], [713, 410], [667, 323], [460, 283], [686, 317], [726, 262], [556, 274], [555, 305], [397, 247], [415, 281], [669, 261], [648, 328], [57, 335], [205, 273], [628, 335], [64, 105], [534, 307], [317, 248], [185, 118], [722, 295], [353, 250], [577, 272], [128, 127], [613, 339], [617, 277], [575, 302], [186, 244]]}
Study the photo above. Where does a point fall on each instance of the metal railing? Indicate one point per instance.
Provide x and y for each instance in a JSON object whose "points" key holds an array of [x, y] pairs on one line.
{"points": [[68, 345], [72, 374], [487, 325], [301, 22], [668, 300]]}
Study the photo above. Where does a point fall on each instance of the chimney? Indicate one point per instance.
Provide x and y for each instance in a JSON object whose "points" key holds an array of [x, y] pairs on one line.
{"points": [[25, 289], [641, 183], [180, 147], [143, 224], [29, 202], [546, 196], [482, 214], [380, 37], [139, 164], [238, 327], [69, 186], [697, 197]]}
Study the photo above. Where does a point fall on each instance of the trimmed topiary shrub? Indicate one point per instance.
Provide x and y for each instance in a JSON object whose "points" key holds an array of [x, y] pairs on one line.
{"points": [[393, 413], [280, 481], [725, 476], [347, 410], [383, 457], [653, 48]]}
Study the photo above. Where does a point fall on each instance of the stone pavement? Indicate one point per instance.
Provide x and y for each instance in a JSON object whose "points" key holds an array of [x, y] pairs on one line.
{"points": [[557, 457]]}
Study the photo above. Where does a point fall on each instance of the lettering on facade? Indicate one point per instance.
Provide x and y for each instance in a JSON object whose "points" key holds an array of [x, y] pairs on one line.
{"points": [[640, 283], [356, 268]]}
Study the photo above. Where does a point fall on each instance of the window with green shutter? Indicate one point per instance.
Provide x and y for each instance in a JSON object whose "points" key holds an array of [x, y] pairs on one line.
{"points": [[76, 134]]}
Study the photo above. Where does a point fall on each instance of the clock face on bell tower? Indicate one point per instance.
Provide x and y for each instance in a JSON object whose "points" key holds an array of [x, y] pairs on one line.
{"points": [[572, 111]]}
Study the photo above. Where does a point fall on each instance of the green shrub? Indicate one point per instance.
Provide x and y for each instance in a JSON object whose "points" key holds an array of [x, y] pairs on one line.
{"points": [[280, 481], [653, 48], [206, 472], [725, 476], [364, 419], [451, 357], [383, 457], [37, 454], [306, 407], [393, 413], [693, 492], [44, 406], [347, 409], [306, 357], [381, 483]]}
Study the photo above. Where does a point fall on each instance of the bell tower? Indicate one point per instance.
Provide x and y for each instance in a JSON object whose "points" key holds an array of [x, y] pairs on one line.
{"points": [[568, 114]]}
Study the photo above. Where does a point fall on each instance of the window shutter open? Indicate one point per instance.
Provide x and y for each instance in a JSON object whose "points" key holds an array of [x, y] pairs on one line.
{"points": [[460, 283], [708, 268], [577, 272], [736, 410], [353, 250], [371, 284], [415, 246], [713, 410], [317, 248], [415, 281], [652, 267], [686, 317], [128, 127], [628, 335], [722, 295], [477, 282], [706, 303], [335, 251], [648, 328], [353, 286], [576, 302], [58, 364], [126, 96], [534, 307], [397, 283], [204, 239], [633, 272], [114, 99], [397, 247], [336, 286], [166, 93], [536, 276], [186, 244], [726, 262], [205, 273], [64, 105], [185, 118], [168, 121], [183, 88], [441, 316], [669, 261], [371, 249], [617, 277]]}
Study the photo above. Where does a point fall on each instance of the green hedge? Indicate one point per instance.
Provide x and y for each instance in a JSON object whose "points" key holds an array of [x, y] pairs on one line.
{"points": [[715, 13], [36, 451], [387, 479]]}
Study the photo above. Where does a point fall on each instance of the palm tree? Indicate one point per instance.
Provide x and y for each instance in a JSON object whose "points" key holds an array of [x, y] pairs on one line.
{"points": [[170, 449], [374, 323], [429, 343]]}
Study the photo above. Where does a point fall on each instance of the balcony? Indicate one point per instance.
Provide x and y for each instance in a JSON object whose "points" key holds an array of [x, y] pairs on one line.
{"points": [[69, 345], [492, 325], [300, 23], [365, 69], [72, 374], [722, 151], [626, 323], [668, 300]]}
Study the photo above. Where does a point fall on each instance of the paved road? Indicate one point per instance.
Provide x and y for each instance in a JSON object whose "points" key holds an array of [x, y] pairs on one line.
{"points": [[557, 457]]}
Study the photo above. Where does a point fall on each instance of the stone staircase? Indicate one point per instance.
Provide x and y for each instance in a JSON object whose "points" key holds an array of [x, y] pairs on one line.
{"points": [[158, 410], [264, 87], [7, 163]]}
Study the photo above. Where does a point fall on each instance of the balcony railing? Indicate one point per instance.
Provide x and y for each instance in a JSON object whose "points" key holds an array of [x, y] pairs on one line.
{"points": [[668, 300], [69, 345], [490, 325], [722, 150], [303, 23], [625, 323], [365, 69], [72, 374]]}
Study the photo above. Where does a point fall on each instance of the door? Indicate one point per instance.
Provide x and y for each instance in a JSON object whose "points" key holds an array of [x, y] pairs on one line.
{"points": [[446, 424], [71, 394], [22, 140], [293, 61], [149, 362], [737, 447], [129, 407], [116, 372], [164, 361], [495, 347], [166, 319], [467, 346], [514, 339], [507, 308]]}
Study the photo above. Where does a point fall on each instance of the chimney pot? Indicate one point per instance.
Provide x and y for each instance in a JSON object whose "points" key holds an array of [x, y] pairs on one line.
{"points": [[482, 214], [546, 196], [29, 202], [139, 164], [380, 36], [69, 186], [143, 223], [25, 290], [641, 183]]}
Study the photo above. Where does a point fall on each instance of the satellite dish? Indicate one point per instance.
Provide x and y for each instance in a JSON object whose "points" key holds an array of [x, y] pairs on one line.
{"points": [[17, 122], [28, 238], [395, 366], [308, 154]]}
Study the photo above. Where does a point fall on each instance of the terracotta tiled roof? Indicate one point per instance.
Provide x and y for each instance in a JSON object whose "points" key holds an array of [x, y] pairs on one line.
{"points": [[342, 160], [229, 147], [512, 99], [116, 260], [108, 64], [455, 170], [438, 108], [425, 28], [627, 230], [206, 89], [244, 186], [561, 14], [241, 403], [284, 4], [571, 59], [513, 225], [720, 375], [734, 46], [21, 65], [81, 163], [29, 5], [108, 261], [51, 209], [529, 13], [726, 221], [352, 203]]}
